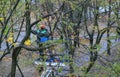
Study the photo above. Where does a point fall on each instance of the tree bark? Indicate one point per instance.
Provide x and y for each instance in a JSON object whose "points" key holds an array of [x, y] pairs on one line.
{"points": [[14, 60], [108, 31]]}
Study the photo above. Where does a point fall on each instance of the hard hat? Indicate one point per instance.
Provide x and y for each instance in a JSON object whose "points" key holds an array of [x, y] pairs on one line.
{"points": [[42, 26]]}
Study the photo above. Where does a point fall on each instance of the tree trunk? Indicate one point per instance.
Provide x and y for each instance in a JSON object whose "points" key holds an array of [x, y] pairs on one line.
{"points": [[14, 61], [93, 58], [108, 31]]}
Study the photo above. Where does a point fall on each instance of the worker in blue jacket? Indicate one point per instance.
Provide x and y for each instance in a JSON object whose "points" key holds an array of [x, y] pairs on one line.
{"points": [[42, 36]]}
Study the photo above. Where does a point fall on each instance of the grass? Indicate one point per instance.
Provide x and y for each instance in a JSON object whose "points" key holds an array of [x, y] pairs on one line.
{"points": [[27, 58]]}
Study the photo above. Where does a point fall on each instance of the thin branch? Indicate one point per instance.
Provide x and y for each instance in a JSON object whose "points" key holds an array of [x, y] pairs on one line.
{"points": [[37, 21], [20, 29], [5, 53], [36, 48], [6, 22], [20, 70]]}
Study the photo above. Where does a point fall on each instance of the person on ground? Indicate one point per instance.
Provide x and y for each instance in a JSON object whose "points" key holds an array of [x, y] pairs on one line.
{"points": [[42, 36]]}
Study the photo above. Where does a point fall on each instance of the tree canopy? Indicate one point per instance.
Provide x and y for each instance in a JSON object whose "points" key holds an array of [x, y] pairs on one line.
{"points": [[75, 26]]}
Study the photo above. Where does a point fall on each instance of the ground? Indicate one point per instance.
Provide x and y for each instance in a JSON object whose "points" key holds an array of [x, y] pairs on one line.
{"points": [[25, 63], [26, 59]]}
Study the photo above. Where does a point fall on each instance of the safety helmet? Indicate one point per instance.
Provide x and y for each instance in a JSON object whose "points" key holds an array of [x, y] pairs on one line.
{"points": [[42, 26]]}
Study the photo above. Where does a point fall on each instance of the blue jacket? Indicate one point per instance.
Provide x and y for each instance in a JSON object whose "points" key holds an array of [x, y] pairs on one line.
{"points": [[42, 35]]}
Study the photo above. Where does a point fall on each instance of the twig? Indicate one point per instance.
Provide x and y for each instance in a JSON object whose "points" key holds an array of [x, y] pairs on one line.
{"points": [[20, 70]]}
